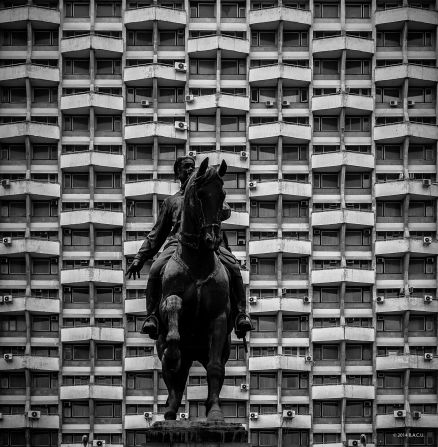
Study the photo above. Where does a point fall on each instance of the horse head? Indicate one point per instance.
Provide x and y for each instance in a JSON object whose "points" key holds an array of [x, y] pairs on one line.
{"points": [[205, 196]]}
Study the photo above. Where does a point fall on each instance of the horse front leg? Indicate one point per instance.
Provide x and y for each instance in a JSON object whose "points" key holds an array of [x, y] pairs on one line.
{"points": [[171, 308], [216, 368]]}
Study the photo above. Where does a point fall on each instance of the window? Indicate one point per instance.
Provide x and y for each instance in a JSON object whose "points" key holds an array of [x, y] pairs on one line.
{"points": [[234, 180], [263, 351], [389, 265], [295, 95], [357, 10], [139, 38], [358, 352], [265, 323], [357, 124], [419, 39], [326, 295], [263, 38], [421, 209], [263, 381], [47, 38], [388, 39], [330, 409], [108, 352], [76, 352], [389, 152], [45, 324], [106, 409], [263, 209], [76, 66], [264, 438], [47, 380], [389, 209], [106, 123], [203, 66], [233, 10], [295, 324], [108, 180], [15, 95], [326, 123], [422, 380], [358, 409], [389, 323], [233, 124], [326, 352], [172, 95], [295, 39], [327, 10], [77, 9], [12, 266], [172, 38], [202, 10], [326, 181], [139, 152], [76, 409], [73, 237], [108, 9], [295, 438], [233, 67], [325, 237], [202, 123], [44, 266], [263, 266], [75, 123], [108, 237], [295, 381], [139, 208], [76, 181], [14, 38], [108, 66], [44, 208]]}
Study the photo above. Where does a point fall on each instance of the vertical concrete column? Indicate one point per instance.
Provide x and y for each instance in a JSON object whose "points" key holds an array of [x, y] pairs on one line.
{"points": [[404, 40], [91, 180], [342, 175], [342, 243], [28, 380], [155, 99], [92, 15], [155, 41], [28, 99], [406, 157], [406, 215], [29, 42], [343, 67], [218, 89], [406, 258], [405, 99], [92, 130], [280, 100]]}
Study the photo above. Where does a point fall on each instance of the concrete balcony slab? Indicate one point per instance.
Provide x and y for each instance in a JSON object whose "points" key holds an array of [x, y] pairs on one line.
{"points": [[30, 13], [37, 189], [271, 131], [32, 71], [90, 274], [336, 275], [338, 217], [334, 103], [99, 217], [389, 421], [14, 421], [355, 46], [402, 71], [81, 102], [271, 16], [332, 334], [33, 305], [228, 392], [265, 421], [235, 160], [144, 363], [406, 14], [222, 100], [405, 361], [143, 16], [33, 246], [103, 334], [236, 220], [38, 132], [148, 188], [399, 188], [342, 158], [163, 72], [343, 391], [284, 362], [209, 44], [87, 158], [82, 44], [288, 189], [275, 246], [166, 132], [362, 334], [130, 248], [262, 75], [405, 303], [91, 392], [137, 421], [37, 363], [401, 246], [20, 421], [398, 131]]}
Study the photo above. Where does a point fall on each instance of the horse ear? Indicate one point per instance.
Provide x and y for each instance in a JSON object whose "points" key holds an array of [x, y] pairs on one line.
{"points": [[222, 169], [203, 168]]}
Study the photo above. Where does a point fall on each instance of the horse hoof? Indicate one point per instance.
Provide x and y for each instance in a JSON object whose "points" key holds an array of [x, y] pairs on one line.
{"points": [[215, 415], [170, 415]]}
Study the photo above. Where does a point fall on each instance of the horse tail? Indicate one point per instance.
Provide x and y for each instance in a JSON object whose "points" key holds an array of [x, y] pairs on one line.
{"points": [[172, 356]]}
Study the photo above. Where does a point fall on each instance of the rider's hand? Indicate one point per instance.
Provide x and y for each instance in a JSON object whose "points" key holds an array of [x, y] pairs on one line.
{"points": [[134, 269]]}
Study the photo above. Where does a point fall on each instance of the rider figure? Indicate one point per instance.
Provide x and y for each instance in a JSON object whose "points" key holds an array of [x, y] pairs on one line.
{"points": [[166, 230]]}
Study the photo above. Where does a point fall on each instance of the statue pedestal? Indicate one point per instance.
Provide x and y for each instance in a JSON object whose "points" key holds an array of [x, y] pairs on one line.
{"points": [[196, 434]]}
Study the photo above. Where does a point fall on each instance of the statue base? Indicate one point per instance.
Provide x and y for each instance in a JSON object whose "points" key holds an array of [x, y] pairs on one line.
{"points": [[196, 434]]}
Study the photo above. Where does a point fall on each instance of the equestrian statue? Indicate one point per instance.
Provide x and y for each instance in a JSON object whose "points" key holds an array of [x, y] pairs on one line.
{"points": [[195, 294]]}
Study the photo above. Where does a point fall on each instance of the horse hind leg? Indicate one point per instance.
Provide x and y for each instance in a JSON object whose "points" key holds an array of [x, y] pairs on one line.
{"points": [[171, 308]]}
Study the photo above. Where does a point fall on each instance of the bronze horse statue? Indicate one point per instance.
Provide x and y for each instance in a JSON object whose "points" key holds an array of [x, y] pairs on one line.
{"points": [[195, 305]]}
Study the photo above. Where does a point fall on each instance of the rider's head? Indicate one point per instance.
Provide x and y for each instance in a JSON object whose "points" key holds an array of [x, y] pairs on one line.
{"points": [[183, 168]]}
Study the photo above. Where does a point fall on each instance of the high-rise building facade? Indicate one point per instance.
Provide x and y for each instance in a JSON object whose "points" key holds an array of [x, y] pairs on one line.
{"points": [[325, 113]]}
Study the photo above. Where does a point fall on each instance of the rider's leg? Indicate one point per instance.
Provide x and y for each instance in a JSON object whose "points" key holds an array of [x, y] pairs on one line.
{"points": [[242, 322]]}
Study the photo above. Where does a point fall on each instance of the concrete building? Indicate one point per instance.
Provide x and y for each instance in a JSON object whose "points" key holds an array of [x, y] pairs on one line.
{"points": [[325, 113]]}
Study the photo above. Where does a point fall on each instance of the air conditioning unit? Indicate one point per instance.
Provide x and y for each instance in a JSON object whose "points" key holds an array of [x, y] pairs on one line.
{"points": [[400, 413], [252, 184], [6, 183], [7, 240], [7, 299], [428, 356], [8, 357], [244, 155], [253, 415], [308, 358], [306, 300], [380, 299], [285, 103], [427, 182], [416, 415], [190, 98], [269, 103], [191, 154], [288, 414], [33, 414], [145, 103], [252, 300], [148, 414], [428, 298], [244, 386], [353, 442], [411, 103], [181, 66], [393, 103], [99, 443], [181, 125], [427, 240], [183, 416]]}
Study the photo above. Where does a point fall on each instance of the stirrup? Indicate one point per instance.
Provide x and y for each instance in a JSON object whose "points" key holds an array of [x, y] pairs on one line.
{"points": [[242, 319]]}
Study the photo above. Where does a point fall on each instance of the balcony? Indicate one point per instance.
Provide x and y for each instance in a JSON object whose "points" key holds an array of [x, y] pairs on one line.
{"points": [[14, 421], [91, 392], [98, 217], [284, 362], [406, 14], [81, 102], [269, 132], [401, 246], [33, 305], [362, 334], [33, 246], [20, 362], [271, 247], [17, 188], [272, 16], [342, 158], [228, 392], [166, 132], [332, 334], [149, 14], [87, 158], [398, 131], [334, 103], [389, 421], [136, 421], [19, 421], [333, 46], [338, 217], [207, 46], [336, 275], [147, 188], [38, 132], [405, 303], [264, 421], [130, 248], [209, 103], [406, 361], [145, 363], [30, 13], [343, 391], [399, 188], [399, 72], [103, 334], [139, 73], [80, 45], [298, 75], [236, 220], [92, 274], [235, 160], [32, 71], [272, 189]]}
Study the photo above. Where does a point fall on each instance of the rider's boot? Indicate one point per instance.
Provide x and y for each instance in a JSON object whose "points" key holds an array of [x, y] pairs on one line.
{"points": [[242, 323], [150, 325]]}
